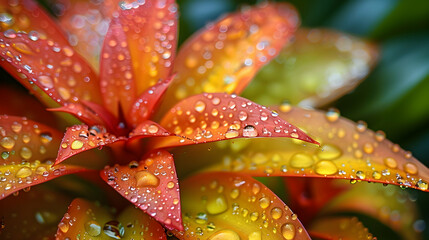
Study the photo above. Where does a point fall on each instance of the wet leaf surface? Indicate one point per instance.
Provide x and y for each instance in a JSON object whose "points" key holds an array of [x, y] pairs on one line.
{"points": [[225, 55], [218, 116], [340, 228], [232, 206], [151, 185], [338, 63]]}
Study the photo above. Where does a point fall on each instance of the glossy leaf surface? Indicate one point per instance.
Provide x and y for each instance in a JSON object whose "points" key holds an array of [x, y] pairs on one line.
{"points": [[27, 151], [148, 129], [37, 216], [390, 205], [338, 63], [150, 184], [80, 138], [87, 220], [340, 228], [145, 105], [225, 55], [27, 16], [348, 150], [232, 206], [218, 116], [117, 83], [150, 28], [81, 112], [53, 67]]}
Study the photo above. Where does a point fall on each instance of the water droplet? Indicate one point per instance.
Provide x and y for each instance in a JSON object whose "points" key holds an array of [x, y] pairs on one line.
{"points": [[259, 158], [255, 235], [390, 162], [422, 185], [242, 116], [41, 170], [46, 81], [224, 235], [146, 179], [24, 172], [217, 205], [216, 101], [170, 185], [325, 167], [301, 160], [329, 152], [201, 218], [264, 202], [264, 116], [256, 188], [26, 153], [332, 115], [76, 144], [231, 133], [152, 129], [114, 229], [360, 175], [7, 142], [276, 213], [376, 175], [411, 168], [368, 148], [45, 137], [379, 136], [64, 227], [200, 106], [234, 193], [285, 106], [254, 216], [93, 228], [361, 126], [10, 33], [288, 231], [16, 127], [250, 131]]}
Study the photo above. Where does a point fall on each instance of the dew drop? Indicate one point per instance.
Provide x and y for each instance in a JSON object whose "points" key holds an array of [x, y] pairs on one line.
{"points": [[152, 129], [114, 229], [285, 106], [24, 172], [264, 202], [264, 116], [26, 153], [231, 133], [170, 185], [276, 213], [288, 231], [379, 136], [360, 175], [64, 227], [217, 205], [16, 127], [361, 126], [422, 185], [329, 152], [411, 168], [45, 137], [390, 162], [242, 116], [301, 160], [332, 115], [200, 106], [250, 131], [234, 193], [255, 235], [376, 175], [93, 228], [146, 179], [46, 81], [225, 234], [7, 142], [325, 167], [76, 144]]}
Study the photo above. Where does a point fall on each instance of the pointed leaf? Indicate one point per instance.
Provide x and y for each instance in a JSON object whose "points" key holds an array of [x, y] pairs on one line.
{"points": [[87, 220], [27, 16], [81, 138], [84, 114], [390, 205], [150, 184], [225, 55], [116, 73], [32, 215], [338, 63], [218, 116], [340, 228], [348, 151], [53, 67], [231, 206], [148, 129], [150, 28], [145, 105]]}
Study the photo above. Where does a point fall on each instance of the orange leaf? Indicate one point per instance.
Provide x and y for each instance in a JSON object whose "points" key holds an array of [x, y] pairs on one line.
{"points": [[340, 228], [86, 220], [81, 112], [338, 63], [150, 28], [146, 104], [117, 81], [32, 215], [348, 151], [52, 66], [224, 205], [80, 138], [27, 16], [148, 129], [390, 205], [225, 55], [218, 116], [151, 185]]}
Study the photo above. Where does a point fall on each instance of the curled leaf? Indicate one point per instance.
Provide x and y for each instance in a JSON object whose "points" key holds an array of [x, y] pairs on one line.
{"points": [[232, 206], [338, 63], [150, 184], [218, 116], [80, 138], [87, 220], [52, 66], [225, 55]]}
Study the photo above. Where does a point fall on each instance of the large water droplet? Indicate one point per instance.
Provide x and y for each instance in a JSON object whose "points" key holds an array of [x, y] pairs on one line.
{"points": [[76, 144], [276, 213], [325, 167], [7, 142], [288, 231], [411, 168], [114, 229], [224, 235], [146, 179], [24, 172], [217, 205], [332, 115], [200, 106], [301, 160], [93, 228], [328, 151], [46, 81], [250, 131], [231, 133], [390, 162]]}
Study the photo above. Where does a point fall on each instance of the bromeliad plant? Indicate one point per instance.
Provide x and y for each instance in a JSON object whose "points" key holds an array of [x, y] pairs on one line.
{"points": [[157, 110]]}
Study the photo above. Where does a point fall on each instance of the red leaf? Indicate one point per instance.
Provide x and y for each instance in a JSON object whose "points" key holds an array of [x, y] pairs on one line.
{"points": [[340, 228], [87, 220], [117, 83], [148, 129], [151, 185], [218, 116], [150, 28], [145, 105], [80, 138], [225, 55], [53, 67], [81, 112]]}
